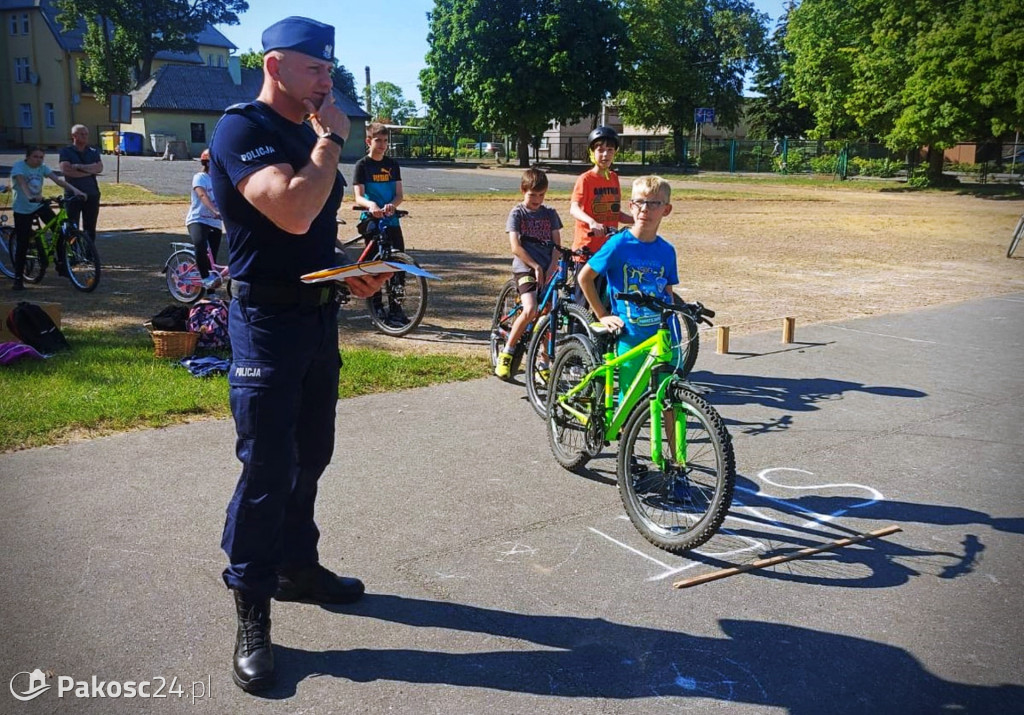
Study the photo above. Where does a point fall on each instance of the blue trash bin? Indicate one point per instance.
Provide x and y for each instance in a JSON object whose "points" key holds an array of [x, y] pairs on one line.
{"points": [[131, 143]]}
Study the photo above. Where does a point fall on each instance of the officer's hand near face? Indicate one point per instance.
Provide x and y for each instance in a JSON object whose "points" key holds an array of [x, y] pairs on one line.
{"points": [[366, 286], [328, 116]]}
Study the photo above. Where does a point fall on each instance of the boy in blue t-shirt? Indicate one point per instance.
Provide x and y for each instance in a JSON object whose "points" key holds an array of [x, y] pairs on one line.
{"points": [[377, 187], [636, 259]]}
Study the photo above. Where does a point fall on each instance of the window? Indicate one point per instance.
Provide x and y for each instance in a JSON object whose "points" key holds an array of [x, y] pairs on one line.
{"points": [[25, 116], [24, 23], [21, 69], [220, 60], [209, 60], [51, 115], [198, 133], [14, 23]]}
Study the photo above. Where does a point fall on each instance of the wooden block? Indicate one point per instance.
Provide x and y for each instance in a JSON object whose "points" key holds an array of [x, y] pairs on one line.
{"points": [[52, 309], [788, 329], [723, 339]]}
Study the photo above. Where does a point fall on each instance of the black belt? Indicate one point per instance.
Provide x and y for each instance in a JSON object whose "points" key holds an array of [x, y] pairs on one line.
{"points": [[301, 294]]}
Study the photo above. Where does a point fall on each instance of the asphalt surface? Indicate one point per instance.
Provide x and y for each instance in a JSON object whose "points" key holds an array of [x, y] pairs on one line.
{"points": [[499, 582]]}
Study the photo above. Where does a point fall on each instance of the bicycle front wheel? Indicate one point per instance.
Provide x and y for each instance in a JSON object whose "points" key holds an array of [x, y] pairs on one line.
{"points": [[572, 320], [35, 260], [1018, 233], [7, 251], [403, 298], [689, 342], [82, 260], [182, 274], [575, 424], [677, 504], [506, 310]]}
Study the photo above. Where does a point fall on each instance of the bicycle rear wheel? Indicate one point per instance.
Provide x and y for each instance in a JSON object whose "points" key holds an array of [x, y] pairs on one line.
{"points": [[575, 438], [7, 251], [404, 297], [182, 274], [506, 310], [571, 320], [35, 259], [1018, 233], [676, 506], [82, 260]]}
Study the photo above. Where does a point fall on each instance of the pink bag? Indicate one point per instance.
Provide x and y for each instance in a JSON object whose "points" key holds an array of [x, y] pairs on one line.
{"points": [[13, 352]]}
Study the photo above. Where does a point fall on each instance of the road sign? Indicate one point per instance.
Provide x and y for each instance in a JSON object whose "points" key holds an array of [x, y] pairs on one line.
{"points": [[704, 115], [120, 109]]}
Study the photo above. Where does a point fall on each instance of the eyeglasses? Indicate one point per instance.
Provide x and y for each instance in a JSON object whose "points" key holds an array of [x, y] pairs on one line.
{"points": [[645, 204]]}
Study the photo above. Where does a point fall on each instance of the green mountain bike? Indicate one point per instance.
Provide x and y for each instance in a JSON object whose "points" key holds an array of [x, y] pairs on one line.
{"points": [[676, 469], [75, 252]]}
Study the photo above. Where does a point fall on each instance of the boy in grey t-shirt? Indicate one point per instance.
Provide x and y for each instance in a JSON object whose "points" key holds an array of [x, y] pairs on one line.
{"points": [[533, 231]]}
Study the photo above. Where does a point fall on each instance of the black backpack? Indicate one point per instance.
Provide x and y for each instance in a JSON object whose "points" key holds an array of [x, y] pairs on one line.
{"points": [[31, 325], [173, 318]]}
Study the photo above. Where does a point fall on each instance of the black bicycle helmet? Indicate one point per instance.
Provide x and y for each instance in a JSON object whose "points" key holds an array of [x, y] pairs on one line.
{"points": [[606, 133]]}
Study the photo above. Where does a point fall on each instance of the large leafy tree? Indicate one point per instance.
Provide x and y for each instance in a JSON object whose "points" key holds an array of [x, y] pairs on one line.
{"points": [[106, 69], [514, 65], [160, 25], [389, 105], [912, 72], [686, 54], [776, 113]]}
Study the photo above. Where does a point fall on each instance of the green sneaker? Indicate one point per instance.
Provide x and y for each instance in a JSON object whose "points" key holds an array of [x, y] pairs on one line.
{"points": [[504, 366]]}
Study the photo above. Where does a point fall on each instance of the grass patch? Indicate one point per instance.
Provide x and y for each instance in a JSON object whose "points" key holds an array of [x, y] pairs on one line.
{"points": [[111, 382], [132, 194]]}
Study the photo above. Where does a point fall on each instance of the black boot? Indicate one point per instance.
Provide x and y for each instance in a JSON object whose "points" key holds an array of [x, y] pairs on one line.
{"points": [[315, 584], [254, 659]]}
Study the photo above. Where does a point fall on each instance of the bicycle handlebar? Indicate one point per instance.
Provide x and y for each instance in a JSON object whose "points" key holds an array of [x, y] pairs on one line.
{"points": [[398, 212], [696, 310]]}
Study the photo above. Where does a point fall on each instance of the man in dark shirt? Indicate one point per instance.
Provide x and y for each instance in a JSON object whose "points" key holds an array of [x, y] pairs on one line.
{"points": [[80, 163], [278, 189]]}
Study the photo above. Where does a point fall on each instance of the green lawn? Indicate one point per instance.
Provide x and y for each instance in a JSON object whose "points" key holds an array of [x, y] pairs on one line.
{"points": [[109, 382]]}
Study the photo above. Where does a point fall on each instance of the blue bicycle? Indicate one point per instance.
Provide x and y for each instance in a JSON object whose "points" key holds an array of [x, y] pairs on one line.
{"points": [[558, 314]]}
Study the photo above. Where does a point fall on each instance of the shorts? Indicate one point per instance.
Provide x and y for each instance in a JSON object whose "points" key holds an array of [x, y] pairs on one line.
{"points": [[526, 282]]}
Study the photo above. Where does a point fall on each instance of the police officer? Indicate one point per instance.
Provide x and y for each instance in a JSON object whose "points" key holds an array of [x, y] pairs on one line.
{"points": [[278, 188]]}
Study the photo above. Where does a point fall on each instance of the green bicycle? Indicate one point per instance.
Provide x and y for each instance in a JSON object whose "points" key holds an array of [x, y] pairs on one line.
{"points": [[676, 469], [74, 250]]}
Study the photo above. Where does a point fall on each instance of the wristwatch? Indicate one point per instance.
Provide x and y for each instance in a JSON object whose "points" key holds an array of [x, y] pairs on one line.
{"points": [[328, 134]]}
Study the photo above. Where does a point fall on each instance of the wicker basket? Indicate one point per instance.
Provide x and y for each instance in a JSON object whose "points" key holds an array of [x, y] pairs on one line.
{"points": [[168, 344]]}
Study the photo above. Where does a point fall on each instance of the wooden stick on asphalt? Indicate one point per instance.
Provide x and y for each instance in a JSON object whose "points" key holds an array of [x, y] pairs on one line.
{"points": [[802, 553]]}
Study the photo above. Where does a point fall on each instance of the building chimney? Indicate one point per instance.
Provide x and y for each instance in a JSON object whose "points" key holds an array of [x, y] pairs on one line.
{"points": [[235, 69]]}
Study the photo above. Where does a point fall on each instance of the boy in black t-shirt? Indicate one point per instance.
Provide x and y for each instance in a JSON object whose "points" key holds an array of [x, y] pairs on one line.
{"points": [[377, 187]]}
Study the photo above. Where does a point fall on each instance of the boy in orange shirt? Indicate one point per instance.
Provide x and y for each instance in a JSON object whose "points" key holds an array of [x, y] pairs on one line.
{"points": [[596, 197]]}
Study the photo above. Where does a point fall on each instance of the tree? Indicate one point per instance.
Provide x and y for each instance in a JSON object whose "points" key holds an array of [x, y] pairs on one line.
{"points": [[170, 25], [344, 82], [511, 66], [251, 59], [106, 69], [911, 72], [776, 113], [686, 54], [389, 105]]}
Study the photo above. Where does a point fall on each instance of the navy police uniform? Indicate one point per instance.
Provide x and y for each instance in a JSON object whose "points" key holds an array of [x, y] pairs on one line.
{"points": [[284, 340]]}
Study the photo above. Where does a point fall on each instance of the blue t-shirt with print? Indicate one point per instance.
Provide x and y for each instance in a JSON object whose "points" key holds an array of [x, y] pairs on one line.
{"points": [[248, 138], [630, 264], [379, 179]]}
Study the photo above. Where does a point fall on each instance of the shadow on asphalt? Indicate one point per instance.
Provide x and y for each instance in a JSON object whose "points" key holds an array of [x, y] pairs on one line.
{"points": [[796, 669]]}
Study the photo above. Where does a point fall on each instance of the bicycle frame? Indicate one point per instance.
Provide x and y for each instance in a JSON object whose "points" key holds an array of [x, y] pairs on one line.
{"points": [[658, 352], [53, 228]]}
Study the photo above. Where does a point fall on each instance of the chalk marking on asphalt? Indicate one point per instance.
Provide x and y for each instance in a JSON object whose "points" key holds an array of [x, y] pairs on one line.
{"points": [[517, 549], [784, 505], [883, 335]]}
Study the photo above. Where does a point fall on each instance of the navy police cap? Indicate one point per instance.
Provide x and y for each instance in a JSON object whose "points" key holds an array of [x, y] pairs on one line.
{"points": [[301, 35]]}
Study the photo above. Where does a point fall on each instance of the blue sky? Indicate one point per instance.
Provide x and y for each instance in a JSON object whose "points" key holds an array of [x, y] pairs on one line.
{"points": [[390, 36]]}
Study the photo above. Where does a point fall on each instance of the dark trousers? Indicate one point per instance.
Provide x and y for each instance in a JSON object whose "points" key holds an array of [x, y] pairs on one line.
{"points": [[397, 244], [283, 393], [206, 240], [23, 230], [89, 210]]}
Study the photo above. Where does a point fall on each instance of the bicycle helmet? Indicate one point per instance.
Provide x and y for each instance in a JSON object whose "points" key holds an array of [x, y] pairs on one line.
{"points": [[606, 133]]}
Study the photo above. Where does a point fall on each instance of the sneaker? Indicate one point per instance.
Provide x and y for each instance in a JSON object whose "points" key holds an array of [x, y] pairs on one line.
{"points": [[18, 285], [636, 468], [544, 372], [504, 366], [211, 281], [397, 318]]}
